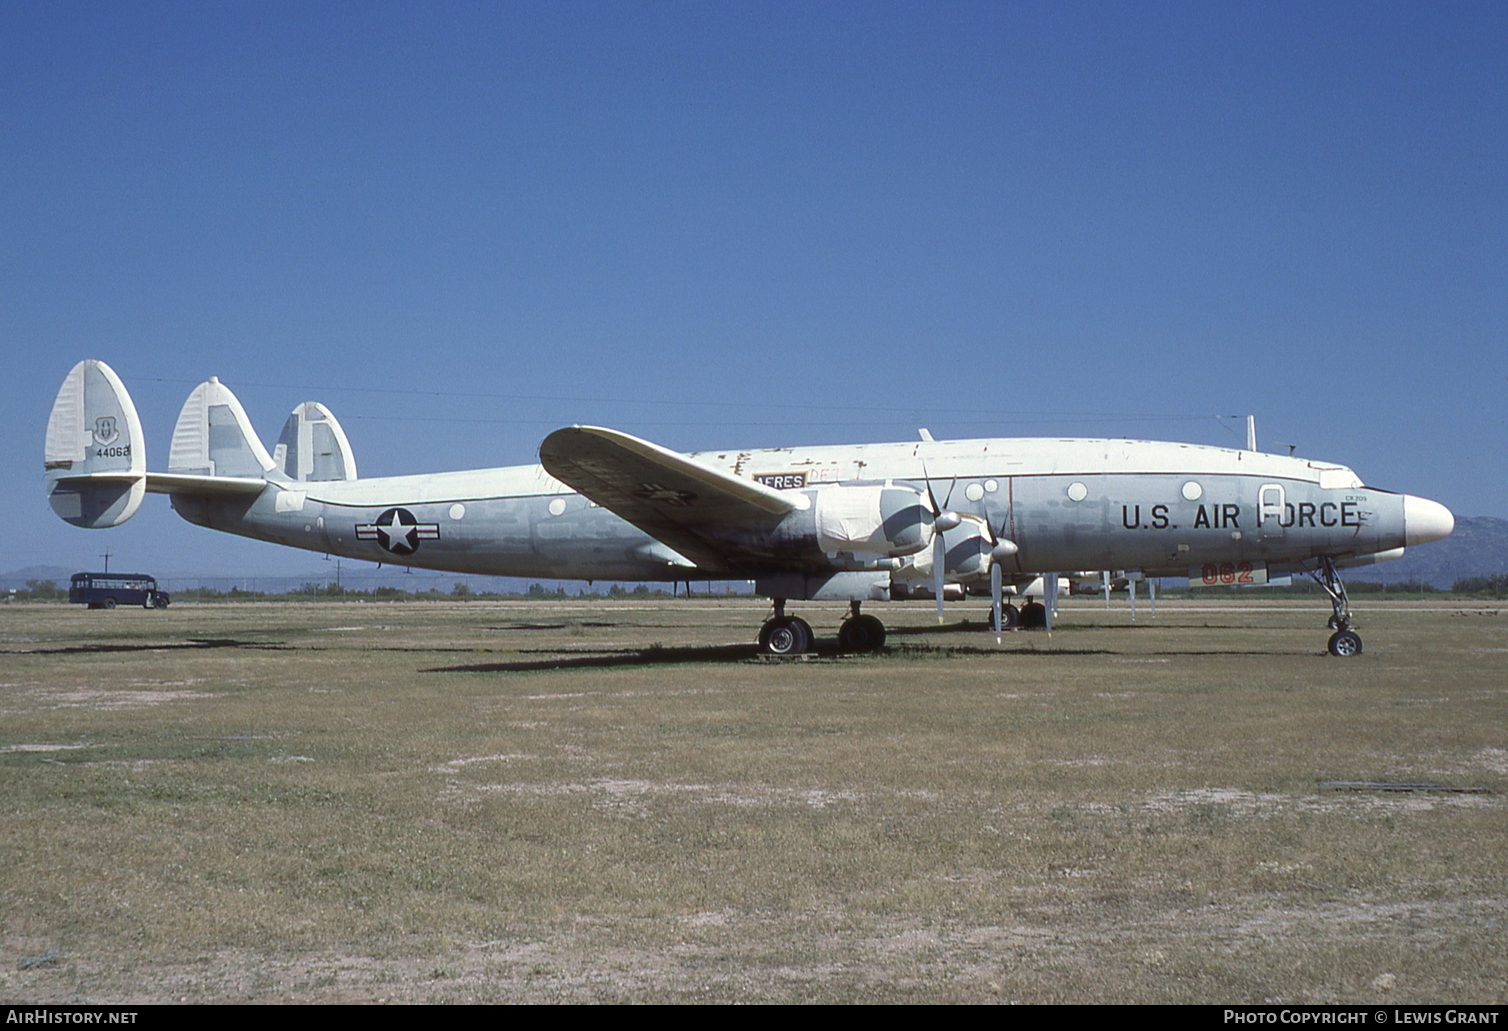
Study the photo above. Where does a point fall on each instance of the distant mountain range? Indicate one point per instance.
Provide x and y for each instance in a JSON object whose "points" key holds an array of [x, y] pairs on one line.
{"points": [[362, 577], [352, 577], [1479, 547]]}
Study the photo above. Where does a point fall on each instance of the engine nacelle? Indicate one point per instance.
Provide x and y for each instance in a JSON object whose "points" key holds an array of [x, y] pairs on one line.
{"points": [[881, 519], [968, 550]]}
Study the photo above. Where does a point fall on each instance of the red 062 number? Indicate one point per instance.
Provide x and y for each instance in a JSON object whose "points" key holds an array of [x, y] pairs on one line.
{"points": [[1226, 573]]}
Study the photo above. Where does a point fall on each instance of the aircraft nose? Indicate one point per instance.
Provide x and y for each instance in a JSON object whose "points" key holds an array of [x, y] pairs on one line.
{"points": [[1425, 520]]}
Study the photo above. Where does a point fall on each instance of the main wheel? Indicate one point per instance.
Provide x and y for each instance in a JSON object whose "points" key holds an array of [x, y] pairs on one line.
{"points": [[861, 634], [1344, 644], [786, 636], [1010, 617], [806, 628], [1033, 616]]}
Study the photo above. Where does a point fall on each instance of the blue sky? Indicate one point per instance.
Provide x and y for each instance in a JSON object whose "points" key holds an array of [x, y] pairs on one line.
{"points": [[462, 226]]}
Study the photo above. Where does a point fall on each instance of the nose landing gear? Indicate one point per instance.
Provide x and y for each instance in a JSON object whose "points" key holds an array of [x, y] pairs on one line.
{"points": [[1345, 642]]}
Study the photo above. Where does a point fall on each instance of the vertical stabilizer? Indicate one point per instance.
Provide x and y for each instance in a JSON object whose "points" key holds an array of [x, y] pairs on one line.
{"points": [[214, 437], [313, 447], [95, 458]]}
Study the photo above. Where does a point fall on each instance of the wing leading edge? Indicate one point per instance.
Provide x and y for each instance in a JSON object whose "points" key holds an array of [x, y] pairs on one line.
{"points": [[694, 508]]}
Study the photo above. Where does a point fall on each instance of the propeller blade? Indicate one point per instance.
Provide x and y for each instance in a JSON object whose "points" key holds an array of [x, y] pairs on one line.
{"points": [[997, 587], [942, 522], [939, 570]]}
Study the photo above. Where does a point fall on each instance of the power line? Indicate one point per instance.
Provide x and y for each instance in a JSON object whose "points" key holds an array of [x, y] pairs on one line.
{"points": [[1006, 415]]}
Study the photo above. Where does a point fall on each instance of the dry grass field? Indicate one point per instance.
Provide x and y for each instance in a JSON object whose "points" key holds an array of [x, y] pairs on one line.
{"points": [[612, 802]]}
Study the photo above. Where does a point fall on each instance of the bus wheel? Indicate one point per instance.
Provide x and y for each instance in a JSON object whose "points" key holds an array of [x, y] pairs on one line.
{"points": [[109, 603], [160, 602]]}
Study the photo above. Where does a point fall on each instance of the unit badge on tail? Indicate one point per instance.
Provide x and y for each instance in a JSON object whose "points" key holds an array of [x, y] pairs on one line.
{"points": [[398, 531]]}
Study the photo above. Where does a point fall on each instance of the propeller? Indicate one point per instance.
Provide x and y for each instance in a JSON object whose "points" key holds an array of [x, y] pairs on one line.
{"points": [[1000, 550], [943, 520]]}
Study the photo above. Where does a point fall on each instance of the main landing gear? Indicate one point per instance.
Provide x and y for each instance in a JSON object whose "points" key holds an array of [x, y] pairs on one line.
{"points": [[792, 635], [1010, 617], [1345, 642]]}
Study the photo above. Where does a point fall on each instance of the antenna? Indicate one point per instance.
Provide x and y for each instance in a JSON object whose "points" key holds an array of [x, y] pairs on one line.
{"points": [[106, 557]]}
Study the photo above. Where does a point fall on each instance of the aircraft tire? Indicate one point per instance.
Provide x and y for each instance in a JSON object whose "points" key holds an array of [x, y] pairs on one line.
{"points": [[806, 628], [1010, 617], [786, 636], [1344, 644], [862, 634], [1033, 616]]}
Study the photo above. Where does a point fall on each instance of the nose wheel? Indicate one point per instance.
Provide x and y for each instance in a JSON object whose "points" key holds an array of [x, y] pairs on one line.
{"points": [[1345, 642]]}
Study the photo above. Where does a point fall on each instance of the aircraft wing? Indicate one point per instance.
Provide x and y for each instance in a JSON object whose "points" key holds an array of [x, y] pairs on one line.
{"points": [[698, 510]]}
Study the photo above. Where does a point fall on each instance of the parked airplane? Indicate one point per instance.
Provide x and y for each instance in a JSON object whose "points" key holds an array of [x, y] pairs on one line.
{"points": [[856, 523]]}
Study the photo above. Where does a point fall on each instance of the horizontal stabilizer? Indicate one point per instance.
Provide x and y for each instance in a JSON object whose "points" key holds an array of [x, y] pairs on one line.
{"points": [[205, 486], [95, 457], [313, 447]]}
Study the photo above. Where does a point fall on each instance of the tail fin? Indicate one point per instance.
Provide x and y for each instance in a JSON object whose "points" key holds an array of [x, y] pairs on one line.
{"points": [[95, 456], [214, 437], [313, 447]]}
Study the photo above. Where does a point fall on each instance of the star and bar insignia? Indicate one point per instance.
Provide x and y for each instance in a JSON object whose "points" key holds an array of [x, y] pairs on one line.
{"points": [[398, 531]]}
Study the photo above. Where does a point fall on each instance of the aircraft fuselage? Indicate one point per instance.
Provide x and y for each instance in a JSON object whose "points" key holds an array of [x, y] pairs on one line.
{"points": [[1067, 504]]}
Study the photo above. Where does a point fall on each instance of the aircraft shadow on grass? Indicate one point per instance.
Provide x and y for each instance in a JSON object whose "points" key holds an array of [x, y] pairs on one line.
{"points": [[730, 654], [194, 644]]}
